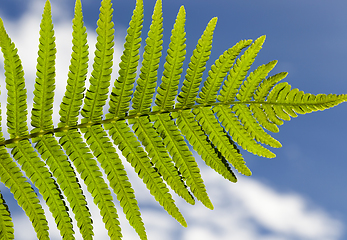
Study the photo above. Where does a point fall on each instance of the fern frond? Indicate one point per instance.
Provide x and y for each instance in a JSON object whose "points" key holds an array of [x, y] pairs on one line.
{"points": [[218, 72], [41, 115], [253, 80], [142, 102], [282, 88], [252, 126], [10, 174], [159, 156], [66, 177], [260, 96], [36, 170], [192, 131], [96, 137], [72, 101], [13, 178], [22, 151], [245, 94], [122, 90], [217, 135], [178, 149], [193, 78], [114, 169], [146, 83], [238, 72], [69, 111], [15, 85], [167, 91], [136, 156], [239, 121], [6, 225], [96, 95], [230, 121], [231, 108], [86, 166], [166, 128], [41, 120], [288, 103]]}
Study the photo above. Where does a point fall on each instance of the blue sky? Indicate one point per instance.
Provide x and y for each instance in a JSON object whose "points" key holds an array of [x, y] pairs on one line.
{"points": [[301, 194]]}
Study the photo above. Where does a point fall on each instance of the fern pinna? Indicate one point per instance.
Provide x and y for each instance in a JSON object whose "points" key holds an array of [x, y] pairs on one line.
{"points": [[153, 126]]}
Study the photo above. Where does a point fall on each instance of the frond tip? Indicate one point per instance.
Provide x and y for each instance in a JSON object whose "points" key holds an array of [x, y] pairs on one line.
{"points": [[153, 127]]}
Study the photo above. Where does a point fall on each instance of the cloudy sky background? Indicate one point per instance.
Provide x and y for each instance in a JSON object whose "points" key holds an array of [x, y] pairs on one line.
{"points": [[301, 194]]}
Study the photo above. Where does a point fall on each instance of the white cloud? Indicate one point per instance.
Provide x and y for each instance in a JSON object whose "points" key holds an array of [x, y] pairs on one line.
{"points": [[248, 210], [282, 215]]}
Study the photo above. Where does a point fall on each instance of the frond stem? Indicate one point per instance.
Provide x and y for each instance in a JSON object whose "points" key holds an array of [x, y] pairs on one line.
{"points": [[104, 121]]}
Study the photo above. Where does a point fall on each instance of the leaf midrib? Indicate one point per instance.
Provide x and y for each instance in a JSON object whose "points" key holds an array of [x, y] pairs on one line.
{"points": [[115, 119]]}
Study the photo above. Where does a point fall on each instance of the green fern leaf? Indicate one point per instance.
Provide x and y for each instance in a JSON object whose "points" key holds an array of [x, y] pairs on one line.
{"points": [[155, 141], [92, 110], [142, 127], [185, 122], [218, 72], [178, 149], [13, 178], [89, 171], [66, 177], [284, 89], [23, 151], [146, 83], [167, 91], [96, 136], [159, 156], [41, 118], [201, 54], [6, 224], [72, 101], [165, 97], [137, 157], [217, 135], [286, 102], [42, 112], [253, 80], [253, 128], [102, 68], [239, 71], [245, 94], [35, 169], [230, 121], [10, 174], [15, 85], [114, 169], [260, 95], [122, 90], [69, 111]]}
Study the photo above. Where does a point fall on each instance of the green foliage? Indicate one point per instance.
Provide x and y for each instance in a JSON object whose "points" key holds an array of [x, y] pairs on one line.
{"points": [[152, 126]]}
